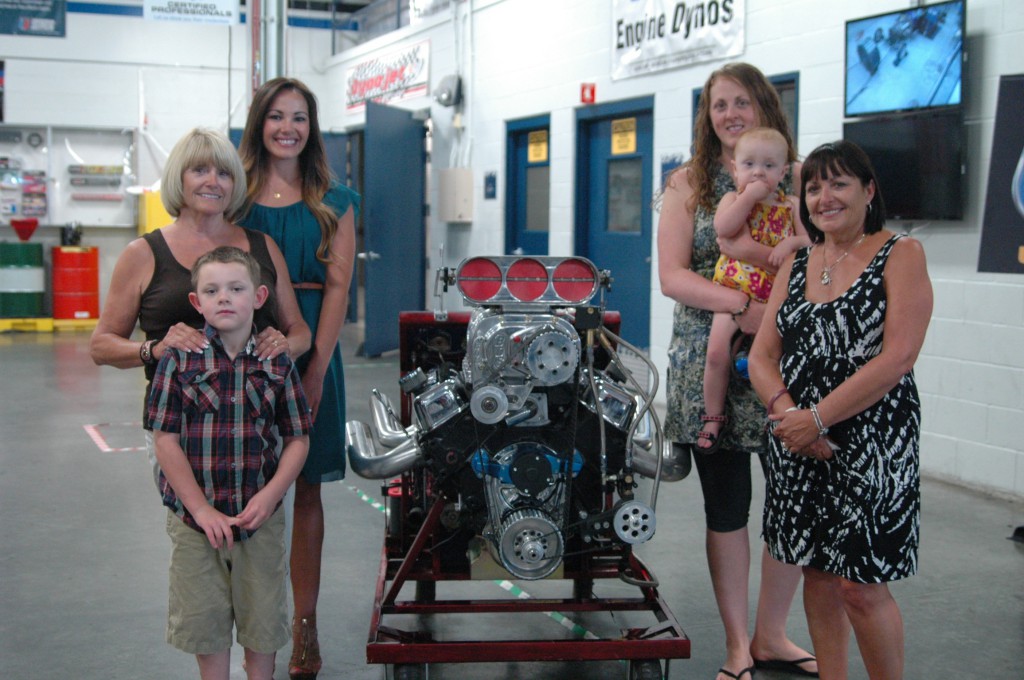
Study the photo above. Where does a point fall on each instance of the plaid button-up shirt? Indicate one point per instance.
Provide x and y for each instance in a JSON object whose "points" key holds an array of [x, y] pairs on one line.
{"points": [[230, 414]]}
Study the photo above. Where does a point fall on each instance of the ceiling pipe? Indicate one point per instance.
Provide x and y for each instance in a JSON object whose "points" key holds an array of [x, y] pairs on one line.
{"points": [[256, 45]]}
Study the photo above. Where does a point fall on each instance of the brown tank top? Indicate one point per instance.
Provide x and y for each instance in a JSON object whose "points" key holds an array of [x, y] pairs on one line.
{"points": [[165, 300]]}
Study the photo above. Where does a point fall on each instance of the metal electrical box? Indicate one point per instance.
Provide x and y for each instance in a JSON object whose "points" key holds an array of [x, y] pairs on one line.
{"points": [[455, 195]]}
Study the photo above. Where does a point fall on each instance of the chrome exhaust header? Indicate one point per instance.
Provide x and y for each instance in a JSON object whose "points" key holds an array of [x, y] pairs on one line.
{"points": [[369, 463]]}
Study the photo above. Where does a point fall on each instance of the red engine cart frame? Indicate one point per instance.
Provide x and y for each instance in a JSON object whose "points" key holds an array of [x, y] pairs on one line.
{"points": [[408, 558]]}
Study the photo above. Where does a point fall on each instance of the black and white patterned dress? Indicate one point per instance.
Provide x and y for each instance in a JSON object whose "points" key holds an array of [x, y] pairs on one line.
{"points": [[858, 514]]}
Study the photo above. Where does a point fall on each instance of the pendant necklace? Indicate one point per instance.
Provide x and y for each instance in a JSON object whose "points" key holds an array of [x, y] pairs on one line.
{"points": [[277, 194], [826, 269]]}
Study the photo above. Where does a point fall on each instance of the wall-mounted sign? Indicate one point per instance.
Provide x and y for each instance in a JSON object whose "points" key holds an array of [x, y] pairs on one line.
{"points": [[623, 136], [395, 76], [40, 18], [656, 35], [588, 93], [210, 12], [537, 146]]}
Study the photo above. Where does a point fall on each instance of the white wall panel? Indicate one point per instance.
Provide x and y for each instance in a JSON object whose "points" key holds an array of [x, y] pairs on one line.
{"points": [[527, 57]]}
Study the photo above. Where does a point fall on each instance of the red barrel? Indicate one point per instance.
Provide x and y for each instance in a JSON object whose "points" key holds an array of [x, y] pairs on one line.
{"points": [[76, 282]]}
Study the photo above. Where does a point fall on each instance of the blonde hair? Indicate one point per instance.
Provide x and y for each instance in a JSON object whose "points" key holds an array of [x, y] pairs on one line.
{"points": [[202, 147], [765, 134]]}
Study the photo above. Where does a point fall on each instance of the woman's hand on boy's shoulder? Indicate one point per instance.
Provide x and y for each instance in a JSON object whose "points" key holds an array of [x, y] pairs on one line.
{"points": [[271, 343]]}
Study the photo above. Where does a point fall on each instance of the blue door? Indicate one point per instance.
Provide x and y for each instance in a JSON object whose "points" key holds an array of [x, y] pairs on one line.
{"points": [[340, 160], [614, 186], [395, 241], [528, 188]]}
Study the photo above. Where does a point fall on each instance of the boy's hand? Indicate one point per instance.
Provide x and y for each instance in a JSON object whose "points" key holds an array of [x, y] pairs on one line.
{"points": [[216, 525], [257, 511]]}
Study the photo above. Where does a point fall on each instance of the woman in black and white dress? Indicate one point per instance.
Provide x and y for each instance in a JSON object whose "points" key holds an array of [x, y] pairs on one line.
{"points": [[833, 361]]}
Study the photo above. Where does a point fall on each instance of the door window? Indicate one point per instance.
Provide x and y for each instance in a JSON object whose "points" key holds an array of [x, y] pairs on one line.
{"points": [[625, 195], [538, 198]]}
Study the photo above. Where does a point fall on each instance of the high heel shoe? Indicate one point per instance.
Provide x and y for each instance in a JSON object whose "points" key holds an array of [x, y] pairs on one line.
{"points": [[305, 662]]}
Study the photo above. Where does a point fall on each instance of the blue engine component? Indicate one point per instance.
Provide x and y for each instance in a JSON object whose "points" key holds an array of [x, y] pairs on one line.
{"points": [[528, 466]]}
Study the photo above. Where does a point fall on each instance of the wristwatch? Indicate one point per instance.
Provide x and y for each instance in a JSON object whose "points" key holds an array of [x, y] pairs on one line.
{"points": [[146, 351]]}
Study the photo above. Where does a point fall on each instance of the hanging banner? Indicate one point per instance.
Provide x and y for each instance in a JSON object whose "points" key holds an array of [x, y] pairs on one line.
{"points": [[1002, 229], [657, 35], [420, 10], [40, 18], [213, 12], [395, 76]]}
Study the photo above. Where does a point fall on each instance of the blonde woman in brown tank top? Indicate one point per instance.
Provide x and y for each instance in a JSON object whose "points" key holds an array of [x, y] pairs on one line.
{"points": [[203, 187]]}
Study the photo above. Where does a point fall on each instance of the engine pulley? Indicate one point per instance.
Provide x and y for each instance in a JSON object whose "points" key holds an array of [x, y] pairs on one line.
{"points": [[489, 405], [634, 522], [530, 544], [552, 358]]}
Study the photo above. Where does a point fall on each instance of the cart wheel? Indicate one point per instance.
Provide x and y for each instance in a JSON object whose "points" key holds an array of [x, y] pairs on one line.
{"points": [[410, 671], [645, 669]]}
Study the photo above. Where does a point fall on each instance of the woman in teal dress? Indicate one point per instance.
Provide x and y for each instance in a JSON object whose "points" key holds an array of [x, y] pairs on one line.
{"points": [[293, 198]]}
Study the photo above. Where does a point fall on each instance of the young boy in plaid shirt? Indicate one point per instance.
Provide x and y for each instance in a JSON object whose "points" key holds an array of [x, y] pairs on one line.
{"points": [[217, 417]]}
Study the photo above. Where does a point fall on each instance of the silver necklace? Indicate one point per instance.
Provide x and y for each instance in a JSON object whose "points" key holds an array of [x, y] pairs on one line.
{"points": [[826, 269]]}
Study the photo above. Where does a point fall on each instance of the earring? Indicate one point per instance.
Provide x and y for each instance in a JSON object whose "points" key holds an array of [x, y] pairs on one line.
{"points": [[869, 208]]}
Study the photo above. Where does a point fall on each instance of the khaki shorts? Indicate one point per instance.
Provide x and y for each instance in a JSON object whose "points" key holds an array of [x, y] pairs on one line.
{"points": [[211, 590]]}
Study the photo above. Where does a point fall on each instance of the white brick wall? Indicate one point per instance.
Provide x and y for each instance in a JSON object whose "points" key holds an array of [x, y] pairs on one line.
{"points": [[528, 57]]}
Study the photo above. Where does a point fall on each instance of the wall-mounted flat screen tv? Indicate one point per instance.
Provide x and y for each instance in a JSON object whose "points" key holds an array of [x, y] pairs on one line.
{"points": [[919, 161], [905, 60]]}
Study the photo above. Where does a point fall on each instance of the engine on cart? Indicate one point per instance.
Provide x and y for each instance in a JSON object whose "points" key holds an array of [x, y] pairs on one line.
{"points": [[533, 441]]}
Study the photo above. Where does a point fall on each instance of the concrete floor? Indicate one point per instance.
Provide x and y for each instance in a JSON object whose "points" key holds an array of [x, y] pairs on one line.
{"points": [[83, 585]]}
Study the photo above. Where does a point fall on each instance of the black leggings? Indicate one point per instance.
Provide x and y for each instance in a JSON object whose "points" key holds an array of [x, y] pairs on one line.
{"points": [[725, 482]]}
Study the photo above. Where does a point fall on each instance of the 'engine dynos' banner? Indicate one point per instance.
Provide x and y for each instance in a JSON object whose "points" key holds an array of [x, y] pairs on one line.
{"points": [[657, 35], [402, 74]]}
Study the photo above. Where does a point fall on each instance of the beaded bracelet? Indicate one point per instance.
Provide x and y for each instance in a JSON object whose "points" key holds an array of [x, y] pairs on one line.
{"points": [[739, 312]]}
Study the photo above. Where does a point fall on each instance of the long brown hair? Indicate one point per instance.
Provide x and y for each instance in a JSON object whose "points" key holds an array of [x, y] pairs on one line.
{"points": [[707, 147], [313, 166]]}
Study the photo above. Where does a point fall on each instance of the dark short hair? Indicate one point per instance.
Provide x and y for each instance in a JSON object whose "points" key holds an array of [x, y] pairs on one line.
{"points": [[228, 255], [841, 158]]}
